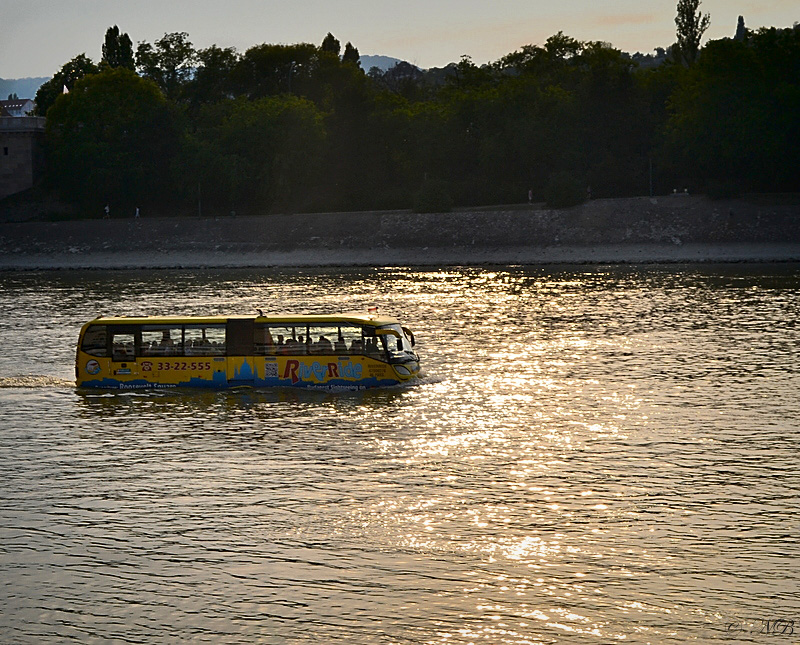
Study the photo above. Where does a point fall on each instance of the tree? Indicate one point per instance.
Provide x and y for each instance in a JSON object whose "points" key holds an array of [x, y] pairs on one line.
{"points": [[65, 79], [331, 45], [214, 77], [351, 55], [169, 63], [741, 30], [112, 138], [561, 47], [402, 78], [734, 116], [266, 70], [261, 154], [691, 26], [118, 49]]}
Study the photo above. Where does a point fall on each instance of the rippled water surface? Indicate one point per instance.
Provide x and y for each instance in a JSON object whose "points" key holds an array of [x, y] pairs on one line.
{"points": [[592, 455]]}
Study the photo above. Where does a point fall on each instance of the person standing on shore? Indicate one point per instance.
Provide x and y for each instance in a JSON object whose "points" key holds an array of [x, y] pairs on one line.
{"points": [[136, 215], [107, 211]]}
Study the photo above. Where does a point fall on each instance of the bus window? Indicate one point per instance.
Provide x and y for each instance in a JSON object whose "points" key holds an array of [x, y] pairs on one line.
{"points": [[204, 340], [349, 340], [263, 340], [374, 347], [397, 342], [94, 341], [122, 344], [325, 339], [278, 339], [162, 340]]}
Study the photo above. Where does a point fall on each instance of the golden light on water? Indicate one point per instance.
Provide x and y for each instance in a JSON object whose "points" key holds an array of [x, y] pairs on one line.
{"points": [[592, 455]]}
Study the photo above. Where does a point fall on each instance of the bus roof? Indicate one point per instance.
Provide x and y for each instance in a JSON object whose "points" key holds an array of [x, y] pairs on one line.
{"points": [[374, 320]]}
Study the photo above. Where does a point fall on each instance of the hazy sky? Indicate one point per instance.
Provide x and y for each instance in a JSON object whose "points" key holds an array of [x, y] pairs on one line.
{"points": [[39, 36]]}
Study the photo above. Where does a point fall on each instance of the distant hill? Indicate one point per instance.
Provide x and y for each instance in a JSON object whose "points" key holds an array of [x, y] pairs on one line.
{"points": [[24, 88], [382, 62]]}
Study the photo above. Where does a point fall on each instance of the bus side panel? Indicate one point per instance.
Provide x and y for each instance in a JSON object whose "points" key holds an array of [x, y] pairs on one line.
{"points": [[320, 371], [241, 371], [93, 371], [181, 371], [323, 371], [150, 372]]}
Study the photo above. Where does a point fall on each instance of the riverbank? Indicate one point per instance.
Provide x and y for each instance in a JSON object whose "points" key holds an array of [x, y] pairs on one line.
{"points": [[675, 228]]}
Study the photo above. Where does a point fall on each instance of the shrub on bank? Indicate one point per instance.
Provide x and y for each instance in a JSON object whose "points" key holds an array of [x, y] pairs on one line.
{"points": [[563, 191], [723, 190], [433, 197]]}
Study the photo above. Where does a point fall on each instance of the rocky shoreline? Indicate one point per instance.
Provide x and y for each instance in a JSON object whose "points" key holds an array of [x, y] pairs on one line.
{"points": [[675, 228]]}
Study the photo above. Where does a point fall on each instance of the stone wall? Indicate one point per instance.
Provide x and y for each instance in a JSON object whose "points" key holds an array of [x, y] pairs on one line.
{"points": [[21, 153], [515, 233]]}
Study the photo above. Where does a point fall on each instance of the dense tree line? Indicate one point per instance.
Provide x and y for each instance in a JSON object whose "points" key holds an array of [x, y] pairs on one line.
{"points": [[303, 127]]}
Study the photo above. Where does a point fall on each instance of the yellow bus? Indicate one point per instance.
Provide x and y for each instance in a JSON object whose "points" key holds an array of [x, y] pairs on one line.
{"points": [[346, 351]]}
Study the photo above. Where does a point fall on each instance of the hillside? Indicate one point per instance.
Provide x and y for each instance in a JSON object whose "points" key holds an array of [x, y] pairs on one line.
{"points": [[24, 88]]}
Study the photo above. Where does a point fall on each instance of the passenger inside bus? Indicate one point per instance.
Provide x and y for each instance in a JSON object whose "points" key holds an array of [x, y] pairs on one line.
{"points": [[372, 347]]}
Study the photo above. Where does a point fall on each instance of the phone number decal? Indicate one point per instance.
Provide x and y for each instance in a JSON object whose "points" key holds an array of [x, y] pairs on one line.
{"points": [[180, 366]]}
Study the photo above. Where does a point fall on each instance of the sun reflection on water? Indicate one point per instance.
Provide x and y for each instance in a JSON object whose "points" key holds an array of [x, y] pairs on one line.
{"points": [[593, 455]]}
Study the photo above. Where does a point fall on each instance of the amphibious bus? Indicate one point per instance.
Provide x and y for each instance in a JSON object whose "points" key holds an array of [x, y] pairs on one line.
{"points": [[343, 351]]}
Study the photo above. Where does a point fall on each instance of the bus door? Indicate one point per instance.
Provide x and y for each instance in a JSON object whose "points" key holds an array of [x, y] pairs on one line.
{"points": [[123, 341], [239, 343]]}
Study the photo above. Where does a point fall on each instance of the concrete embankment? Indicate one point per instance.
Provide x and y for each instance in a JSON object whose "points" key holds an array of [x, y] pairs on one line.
{"points": [[675, 228]]}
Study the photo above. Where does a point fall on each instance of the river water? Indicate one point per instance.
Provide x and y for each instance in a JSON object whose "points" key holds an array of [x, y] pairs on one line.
{"points": [[592, 455]]}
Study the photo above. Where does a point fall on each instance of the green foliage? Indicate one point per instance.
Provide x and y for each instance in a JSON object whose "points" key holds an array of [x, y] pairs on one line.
{"points": [[112, 139], [213, 80], [403, 79], [564, 190], [267, 70], [118, 49], [691, 25], [286, 127], [331, 45], [433, 197], [169, 62], [734, 118], [741, 30], [561, 47], [351, 55], [467, 75], [69, 74], [720, 189], [257, 155]]}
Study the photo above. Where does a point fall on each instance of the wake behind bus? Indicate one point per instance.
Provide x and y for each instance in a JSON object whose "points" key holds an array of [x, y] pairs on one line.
{"points": [[329, 351]]}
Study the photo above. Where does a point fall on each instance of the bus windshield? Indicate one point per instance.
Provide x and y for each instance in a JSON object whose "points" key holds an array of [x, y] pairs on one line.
{"points": [[398, 345]]}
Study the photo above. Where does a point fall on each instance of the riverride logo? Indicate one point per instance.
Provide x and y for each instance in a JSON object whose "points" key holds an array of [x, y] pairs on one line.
{"points": [[298, 371], [92, 367]]}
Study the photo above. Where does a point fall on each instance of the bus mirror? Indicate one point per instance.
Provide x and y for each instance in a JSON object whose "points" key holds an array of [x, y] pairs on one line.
{"points": [[410, 335]]}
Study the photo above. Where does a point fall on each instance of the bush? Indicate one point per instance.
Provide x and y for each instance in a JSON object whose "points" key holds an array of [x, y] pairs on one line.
{"points": [[433, 197], [563, 190], [723, 190]]}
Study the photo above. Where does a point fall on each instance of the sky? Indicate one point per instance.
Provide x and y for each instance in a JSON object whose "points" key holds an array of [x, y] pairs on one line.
{"points": [[39, 36]]}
